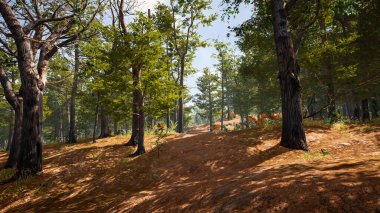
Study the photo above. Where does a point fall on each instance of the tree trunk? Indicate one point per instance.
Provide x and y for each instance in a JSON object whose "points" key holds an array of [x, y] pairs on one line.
{"points": [[16, 139], [222, 116], [331, 109], [72, 133], [180, 100], [115, 127], [95, 123], [210, 106], [104, 125], [133, 141], [138, 104], [168, 118], [293, 135], [365, 110]]}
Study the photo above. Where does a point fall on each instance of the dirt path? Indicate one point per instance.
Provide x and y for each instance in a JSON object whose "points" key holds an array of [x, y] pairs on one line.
{"points": [[238, 171]]}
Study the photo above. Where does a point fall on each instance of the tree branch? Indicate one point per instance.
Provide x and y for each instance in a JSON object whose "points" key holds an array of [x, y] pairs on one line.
{"points": [[10, 95]]}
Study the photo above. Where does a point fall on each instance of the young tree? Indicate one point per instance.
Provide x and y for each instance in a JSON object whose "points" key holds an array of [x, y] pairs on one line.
{"points": [[207, 100], [187, 16]]}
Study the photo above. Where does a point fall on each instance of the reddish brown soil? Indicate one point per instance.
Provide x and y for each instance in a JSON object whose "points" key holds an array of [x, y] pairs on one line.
{"points": [[243, 171]]}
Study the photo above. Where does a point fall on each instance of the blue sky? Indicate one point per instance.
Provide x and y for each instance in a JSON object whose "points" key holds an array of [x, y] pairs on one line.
{"points": [[218, 30]]}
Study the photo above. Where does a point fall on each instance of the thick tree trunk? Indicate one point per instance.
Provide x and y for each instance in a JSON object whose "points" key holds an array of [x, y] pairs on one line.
{"points": [[104, 125], [328, 73], [16, 139], [365, 110], [72, 133], [293, 135], [180, 100]]}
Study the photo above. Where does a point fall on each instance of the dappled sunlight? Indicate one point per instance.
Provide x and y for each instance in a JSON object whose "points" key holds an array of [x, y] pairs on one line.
{"points": [[242, 170]]}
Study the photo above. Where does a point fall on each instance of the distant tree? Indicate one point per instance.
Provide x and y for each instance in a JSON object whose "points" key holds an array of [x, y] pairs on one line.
{"points": [[207, 100]]}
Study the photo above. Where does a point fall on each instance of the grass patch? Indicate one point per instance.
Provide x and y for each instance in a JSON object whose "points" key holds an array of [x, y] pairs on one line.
{"points": [[314, 155], [367, 129], [339, 126], [15, 189]]}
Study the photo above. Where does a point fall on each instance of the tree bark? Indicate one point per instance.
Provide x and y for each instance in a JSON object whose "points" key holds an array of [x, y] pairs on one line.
{"points": [[72, 130], [138, 104], [293, 135], [374, 108], [222, 116], [104, 125], [180, 100]]}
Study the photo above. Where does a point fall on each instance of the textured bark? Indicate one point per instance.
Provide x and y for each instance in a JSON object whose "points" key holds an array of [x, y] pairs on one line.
{"points": [[104, 125], [180, 100], [133, 141], [293, 135], [138, 104], [72, 133]]}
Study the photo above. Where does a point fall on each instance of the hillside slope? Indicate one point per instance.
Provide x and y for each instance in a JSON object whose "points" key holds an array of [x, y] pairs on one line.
{"points": [[198, 171]]}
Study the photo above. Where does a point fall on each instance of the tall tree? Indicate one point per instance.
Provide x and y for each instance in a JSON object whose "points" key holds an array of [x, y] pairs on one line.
{"points": [[34, 31], [187, 16]]}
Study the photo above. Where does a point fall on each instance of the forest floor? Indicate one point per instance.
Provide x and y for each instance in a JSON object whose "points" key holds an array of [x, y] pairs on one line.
{"points": [[202, 172]]}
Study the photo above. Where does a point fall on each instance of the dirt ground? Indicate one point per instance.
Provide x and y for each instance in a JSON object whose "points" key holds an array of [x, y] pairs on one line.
{"points": [[243, 171]]}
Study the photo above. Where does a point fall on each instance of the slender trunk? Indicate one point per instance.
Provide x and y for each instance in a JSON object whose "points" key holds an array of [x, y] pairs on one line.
{"points": [[16, 139], [139, 107], [246, 121], [168, 118], [133, 141], [115, 127], [293, 134], [95, 123], [180, 100], [72, 130], [210, 106], [331, 109], [222, 116]]}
